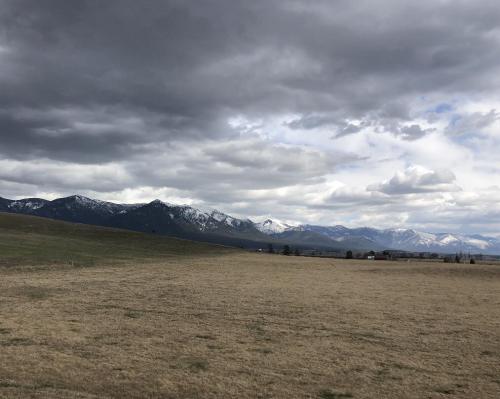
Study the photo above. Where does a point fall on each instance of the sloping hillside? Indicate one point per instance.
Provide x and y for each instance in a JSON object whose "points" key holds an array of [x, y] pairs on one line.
{"points": [[31, 240]]}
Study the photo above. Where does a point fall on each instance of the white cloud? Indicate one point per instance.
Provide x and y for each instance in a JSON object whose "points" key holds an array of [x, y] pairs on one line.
{"points": [[417, 179]]}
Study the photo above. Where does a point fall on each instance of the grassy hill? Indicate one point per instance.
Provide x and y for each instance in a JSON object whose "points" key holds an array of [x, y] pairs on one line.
{"points": [[30, 240]]}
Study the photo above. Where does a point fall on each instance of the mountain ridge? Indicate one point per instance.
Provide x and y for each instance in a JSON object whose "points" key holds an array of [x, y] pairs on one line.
{"points": [[185, 221]]}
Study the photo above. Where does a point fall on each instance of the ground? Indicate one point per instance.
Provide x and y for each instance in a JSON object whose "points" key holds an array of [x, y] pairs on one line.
{"points": [[210, 322]]}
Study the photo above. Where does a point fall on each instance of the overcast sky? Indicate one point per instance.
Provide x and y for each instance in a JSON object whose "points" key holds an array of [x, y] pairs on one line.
{"points": [[379, 113]]}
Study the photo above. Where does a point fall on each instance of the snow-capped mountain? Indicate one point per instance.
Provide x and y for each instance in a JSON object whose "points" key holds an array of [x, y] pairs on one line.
{"points": [[189, 217], [28, 204], [400, 239], [421, 241], [409, 239], [270, 226], [154, 217], [215, 226]]}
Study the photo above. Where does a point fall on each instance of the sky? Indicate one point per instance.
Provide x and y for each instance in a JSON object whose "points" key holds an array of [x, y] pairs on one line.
{"points": [[362, 113]]}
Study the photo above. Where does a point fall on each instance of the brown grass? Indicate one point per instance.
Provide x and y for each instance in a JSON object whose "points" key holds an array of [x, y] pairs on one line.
{"points": [[251, 326]]}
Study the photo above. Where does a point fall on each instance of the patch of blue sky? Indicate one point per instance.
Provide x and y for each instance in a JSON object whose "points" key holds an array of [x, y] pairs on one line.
{"points": [[454, 119], [470, 140], [442, 108]]}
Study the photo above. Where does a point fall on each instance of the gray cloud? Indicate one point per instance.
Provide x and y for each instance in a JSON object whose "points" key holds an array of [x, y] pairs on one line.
{"points": [[416, 179], [472, 122], [184, 67], [203, 172], [412, 132]]}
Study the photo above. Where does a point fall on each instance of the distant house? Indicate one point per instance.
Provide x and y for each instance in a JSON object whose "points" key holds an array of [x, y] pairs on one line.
{"points": [[370, 257]]}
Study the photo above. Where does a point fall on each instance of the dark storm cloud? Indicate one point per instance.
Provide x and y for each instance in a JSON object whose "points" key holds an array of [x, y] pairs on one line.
{"points": [[200, 61]]}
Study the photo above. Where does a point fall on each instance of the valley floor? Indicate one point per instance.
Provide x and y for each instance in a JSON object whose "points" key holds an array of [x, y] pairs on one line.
{"points": [[243, 325]]}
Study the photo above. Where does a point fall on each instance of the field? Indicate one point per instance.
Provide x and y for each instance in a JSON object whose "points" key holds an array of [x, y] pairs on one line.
{"points": [[89, 312]]}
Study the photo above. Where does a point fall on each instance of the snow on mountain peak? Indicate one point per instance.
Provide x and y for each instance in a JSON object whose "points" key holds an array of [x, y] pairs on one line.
{"points": [[83, 200], [270, 226], [160, 202], [223, 218], [204, 219], [28, 204]]}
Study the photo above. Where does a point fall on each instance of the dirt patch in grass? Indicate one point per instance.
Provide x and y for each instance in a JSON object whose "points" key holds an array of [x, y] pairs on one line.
{"points": [[33, 292], [332, 394]]}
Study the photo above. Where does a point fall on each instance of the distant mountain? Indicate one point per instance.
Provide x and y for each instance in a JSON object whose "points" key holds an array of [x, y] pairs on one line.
{"points": [[404, 239], [163, 218], [217, 227], [270, 226], [26, 205], [155, 217], [314, 239], [78, 209], [376, 239]]}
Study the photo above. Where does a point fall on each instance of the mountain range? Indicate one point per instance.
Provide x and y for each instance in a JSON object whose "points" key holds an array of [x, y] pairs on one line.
{"points": [[217, 227]]}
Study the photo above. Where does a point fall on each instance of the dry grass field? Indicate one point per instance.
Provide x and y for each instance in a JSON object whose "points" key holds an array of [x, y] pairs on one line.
{"points": [[206, 322]]}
